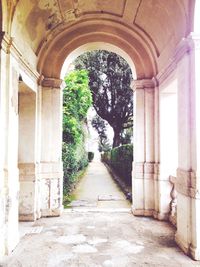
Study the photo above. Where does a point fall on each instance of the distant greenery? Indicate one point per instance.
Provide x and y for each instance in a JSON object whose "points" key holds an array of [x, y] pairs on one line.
{"points": [[101, 127], [110, 83], [120, 160], [77, 99]]}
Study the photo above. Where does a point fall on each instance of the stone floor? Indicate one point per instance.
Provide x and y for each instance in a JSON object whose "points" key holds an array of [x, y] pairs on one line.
{"points": [[94, 239], [97, 231]]}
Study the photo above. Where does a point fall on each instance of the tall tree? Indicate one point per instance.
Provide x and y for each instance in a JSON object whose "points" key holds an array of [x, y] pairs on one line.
{"points": [[101, 127], [110, 77]]}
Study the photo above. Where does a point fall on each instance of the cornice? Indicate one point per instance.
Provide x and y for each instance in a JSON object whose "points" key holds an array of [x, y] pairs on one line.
{"points": [[185, 46], [143, 84], [23, 63], [53, 83], [9, 47]]}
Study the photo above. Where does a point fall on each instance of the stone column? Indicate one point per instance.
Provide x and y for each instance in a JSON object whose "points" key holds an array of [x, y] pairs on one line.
{"points": [[3, 183], [143, 166], [27, 154], [188, 172], [157, 153], [9, 181], [50, 167]]}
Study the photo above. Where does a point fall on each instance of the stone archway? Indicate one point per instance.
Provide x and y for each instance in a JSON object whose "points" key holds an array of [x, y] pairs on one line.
{"points": [[158, 45], [142, 60], [97, 46], [92, 31]]}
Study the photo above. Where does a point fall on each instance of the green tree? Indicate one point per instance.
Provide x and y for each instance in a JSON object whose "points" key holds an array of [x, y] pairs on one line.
{"points": [[77, 99], [127, 136], [101, 125], [110, 78]]}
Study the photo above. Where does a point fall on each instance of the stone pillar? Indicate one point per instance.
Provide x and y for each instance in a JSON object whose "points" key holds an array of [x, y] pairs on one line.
{"points": [[143, 166], [50, 167], [27, 154], [3, 184], [9, 182], [188, 172], [157, 153]]}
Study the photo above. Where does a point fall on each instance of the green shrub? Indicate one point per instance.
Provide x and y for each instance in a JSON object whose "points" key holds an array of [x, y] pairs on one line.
{"points": [[106, 157], [120, 159], [90, 156], [77, 99]]}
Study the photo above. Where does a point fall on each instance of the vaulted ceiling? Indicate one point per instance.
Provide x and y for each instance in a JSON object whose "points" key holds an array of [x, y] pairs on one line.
{"points": [[162, 22], [159, 19]]}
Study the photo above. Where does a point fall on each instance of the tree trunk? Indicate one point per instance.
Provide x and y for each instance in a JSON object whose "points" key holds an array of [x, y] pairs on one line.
{"points": [[116, 139]]}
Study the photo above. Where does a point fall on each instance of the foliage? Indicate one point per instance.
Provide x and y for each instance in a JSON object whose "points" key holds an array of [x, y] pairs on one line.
{"points": [[110, 77], [106, 157], [76, 101], [90, 156], [100, 125], [68, 197], [104, 146], [120, 159], [127, 136]]}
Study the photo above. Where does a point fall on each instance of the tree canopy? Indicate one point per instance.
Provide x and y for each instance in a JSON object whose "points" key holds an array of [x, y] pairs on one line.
{"points": [[109, 80]]}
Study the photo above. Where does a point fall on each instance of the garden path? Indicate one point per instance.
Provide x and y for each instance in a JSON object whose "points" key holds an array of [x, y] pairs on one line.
{"points": [[97, 190]]}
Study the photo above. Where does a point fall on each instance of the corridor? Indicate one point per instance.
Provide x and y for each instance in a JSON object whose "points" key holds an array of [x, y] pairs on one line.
{"points": [[98, 231]]}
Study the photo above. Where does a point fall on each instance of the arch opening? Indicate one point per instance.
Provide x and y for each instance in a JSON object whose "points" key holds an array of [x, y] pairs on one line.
{"points": [[68, 66], [116, 37], [97, 46]]}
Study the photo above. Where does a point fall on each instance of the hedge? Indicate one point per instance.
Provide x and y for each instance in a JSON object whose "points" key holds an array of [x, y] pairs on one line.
{"points": [[74, 160], [120, 159]]}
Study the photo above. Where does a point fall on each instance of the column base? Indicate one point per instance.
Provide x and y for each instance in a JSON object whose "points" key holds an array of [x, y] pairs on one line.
{"points": [[182, 244], [150, 213], [28, 217], [194, 253], [161, 216], [52, 212], [142, 212], [173, 220]]}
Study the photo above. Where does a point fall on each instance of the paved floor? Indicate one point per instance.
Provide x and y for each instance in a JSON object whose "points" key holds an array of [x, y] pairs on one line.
{"points": [[98, 190], [98, 239], [92, 236]]}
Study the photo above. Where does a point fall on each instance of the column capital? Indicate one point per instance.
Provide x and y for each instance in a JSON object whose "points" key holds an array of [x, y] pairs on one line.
{"points": [[193, 41], [51, 82], [187, 44], [184, 47], [6, 42], [144, 84]]}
